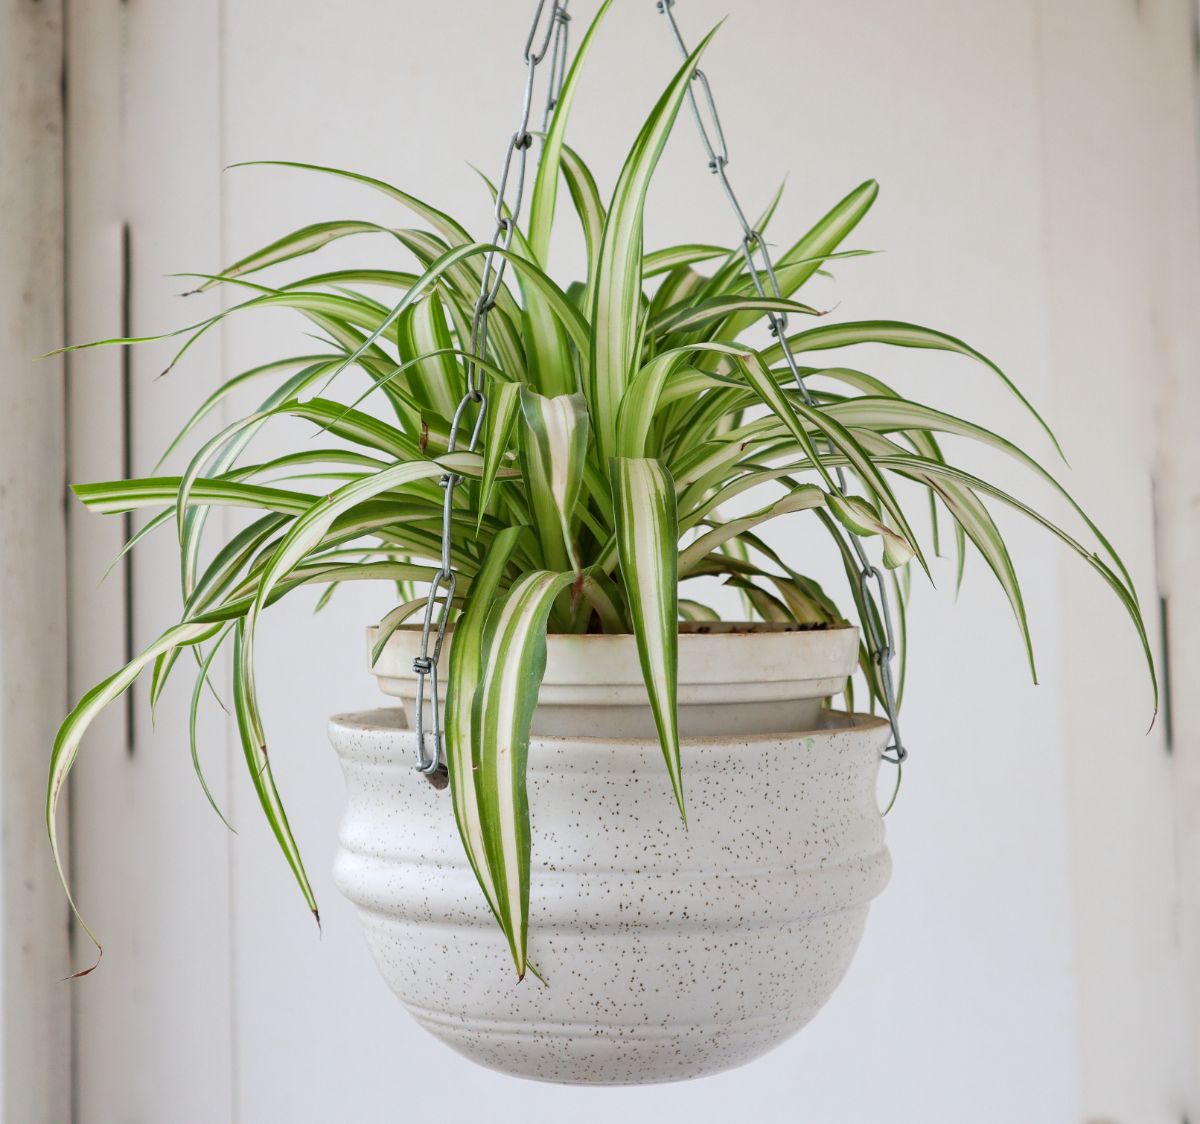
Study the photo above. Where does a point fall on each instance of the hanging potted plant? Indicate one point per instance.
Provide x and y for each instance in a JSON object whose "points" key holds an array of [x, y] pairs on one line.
{"points": [[656, 814]]}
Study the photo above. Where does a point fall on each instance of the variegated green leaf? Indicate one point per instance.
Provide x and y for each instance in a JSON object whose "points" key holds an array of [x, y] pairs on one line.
{"points": [[503, 400], [860, 517], [305, 533], [554, 436], [647, 535], [545, 187], [462, 751], [590, 208], [899, 334], [697, 314], [618, 289], [804, 258], [262, 776], [293, 245], [75, 726], [513, 664], [437, 381], [802, 498], [672, 257]]}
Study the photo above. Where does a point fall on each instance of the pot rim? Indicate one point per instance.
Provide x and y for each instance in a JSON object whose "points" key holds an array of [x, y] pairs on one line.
{"points": [[689, 631], [394, 719]]}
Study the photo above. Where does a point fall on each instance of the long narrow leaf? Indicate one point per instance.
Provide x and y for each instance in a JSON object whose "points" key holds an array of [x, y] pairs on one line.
{"points": [[75, 725], [513, 664], [647, 545], [462, 752], [619, 279], [554, 437]]}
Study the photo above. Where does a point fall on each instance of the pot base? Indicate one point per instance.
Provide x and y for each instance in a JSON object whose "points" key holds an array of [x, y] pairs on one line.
{"points": [[667, 954]]}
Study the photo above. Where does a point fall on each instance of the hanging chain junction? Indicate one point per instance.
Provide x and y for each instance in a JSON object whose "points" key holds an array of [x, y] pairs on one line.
{"points": [[877, 618], [547, 35]]}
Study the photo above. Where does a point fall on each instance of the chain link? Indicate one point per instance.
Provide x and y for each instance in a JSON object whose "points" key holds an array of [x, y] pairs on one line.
{"points": [[547, 34], [877, 617]]}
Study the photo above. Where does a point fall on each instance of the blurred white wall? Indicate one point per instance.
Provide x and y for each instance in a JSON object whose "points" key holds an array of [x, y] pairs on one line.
{"points": [[1037, 163]]}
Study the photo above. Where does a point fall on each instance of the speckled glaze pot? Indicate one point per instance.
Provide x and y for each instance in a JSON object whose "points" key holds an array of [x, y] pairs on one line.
{"points": [[667, 954]]}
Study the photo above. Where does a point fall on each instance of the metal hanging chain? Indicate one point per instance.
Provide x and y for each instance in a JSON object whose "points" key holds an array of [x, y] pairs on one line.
{"points": [[877, 622], [548, 33]]}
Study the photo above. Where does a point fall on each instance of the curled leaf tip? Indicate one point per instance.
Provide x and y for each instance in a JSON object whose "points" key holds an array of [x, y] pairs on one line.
{"points": [[85, 971]]}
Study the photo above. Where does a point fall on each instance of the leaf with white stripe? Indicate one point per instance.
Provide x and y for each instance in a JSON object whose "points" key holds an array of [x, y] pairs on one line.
{"points": [[554, 437], [462, 750], [502, 402], [618, 289], [75, 725], [672, 257], [804, 258], [263, 777], [896, 333], [648, 550], [436, 380], [306, 533], [513, 665], [802, 498], [545, 187], [860, 516]]}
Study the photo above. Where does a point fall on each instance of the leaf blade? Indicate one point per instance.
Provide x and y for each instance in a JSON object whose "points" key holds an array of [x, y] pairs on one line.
{"points": [[647, 548]]}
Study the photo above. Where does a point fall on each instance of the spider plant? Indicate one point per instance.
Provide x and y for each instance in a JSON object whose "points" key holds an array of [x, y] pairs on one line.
{"points": [[624, 414]]}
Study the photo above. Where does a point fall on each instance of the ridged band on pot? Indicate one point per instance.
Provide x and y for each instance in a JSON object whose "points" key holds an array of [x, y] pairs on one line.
{"points": [[667, 953], [733, 679]]}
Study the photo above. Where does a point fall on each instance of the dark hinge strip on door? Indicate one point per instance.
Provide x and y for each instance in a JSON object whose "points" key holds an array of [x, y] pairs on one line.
{"points": [[127, 464], [1164, 664], [1164, 619]]}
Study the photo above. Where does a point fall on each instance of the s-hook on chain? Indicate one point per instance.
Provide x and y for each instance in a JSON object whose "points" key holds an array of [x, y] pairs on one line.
{"points": [[876, 622], [547, 34]]}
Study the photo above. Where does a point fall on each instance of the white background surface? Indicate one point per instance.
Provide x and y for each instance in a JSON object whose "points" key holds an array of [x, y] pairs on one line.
{"points": [[1024, 965]]}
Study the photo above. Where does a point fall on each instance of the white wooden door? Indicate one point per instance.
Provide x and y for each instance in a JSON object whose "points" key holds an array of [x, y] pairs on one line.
{"points": [[1022, 148]]}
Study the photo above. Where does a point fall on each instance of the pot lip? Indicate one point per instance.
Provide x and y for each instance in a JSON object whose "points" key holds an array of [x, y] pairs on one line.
{"points": [[858, 722], [691, 633]]}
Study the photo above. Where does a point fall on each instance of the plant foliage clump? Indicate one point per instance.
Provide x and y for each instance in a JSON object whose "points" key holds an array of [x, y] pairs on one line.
{"points": [[624, 414]]}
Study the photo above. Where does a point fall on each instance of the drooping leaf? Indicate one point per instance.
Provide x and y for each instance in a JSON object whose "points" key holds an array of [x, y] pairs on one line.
{"points": [[75, 725], [514, 661], [258, 765], [462, 751], [896, 333], [647, 535], [802, 498]]}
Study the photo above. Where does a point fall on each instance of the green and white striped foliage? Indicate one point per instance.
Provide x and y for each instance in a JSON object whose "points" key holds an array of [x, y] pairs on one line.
{"points": [[648, 548], [627, 414], [514, 660], [554, 441]]}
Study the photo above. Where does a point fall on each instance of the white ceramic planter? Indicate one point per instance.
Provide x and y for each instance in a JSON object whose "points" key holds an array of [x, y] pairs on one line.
{"points": [[667, 953]]}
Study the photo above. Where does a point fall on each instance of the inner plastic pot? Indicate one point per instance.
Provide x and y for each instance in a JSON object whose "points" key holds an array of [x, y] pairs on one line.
{"points": [[734, 678]]}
